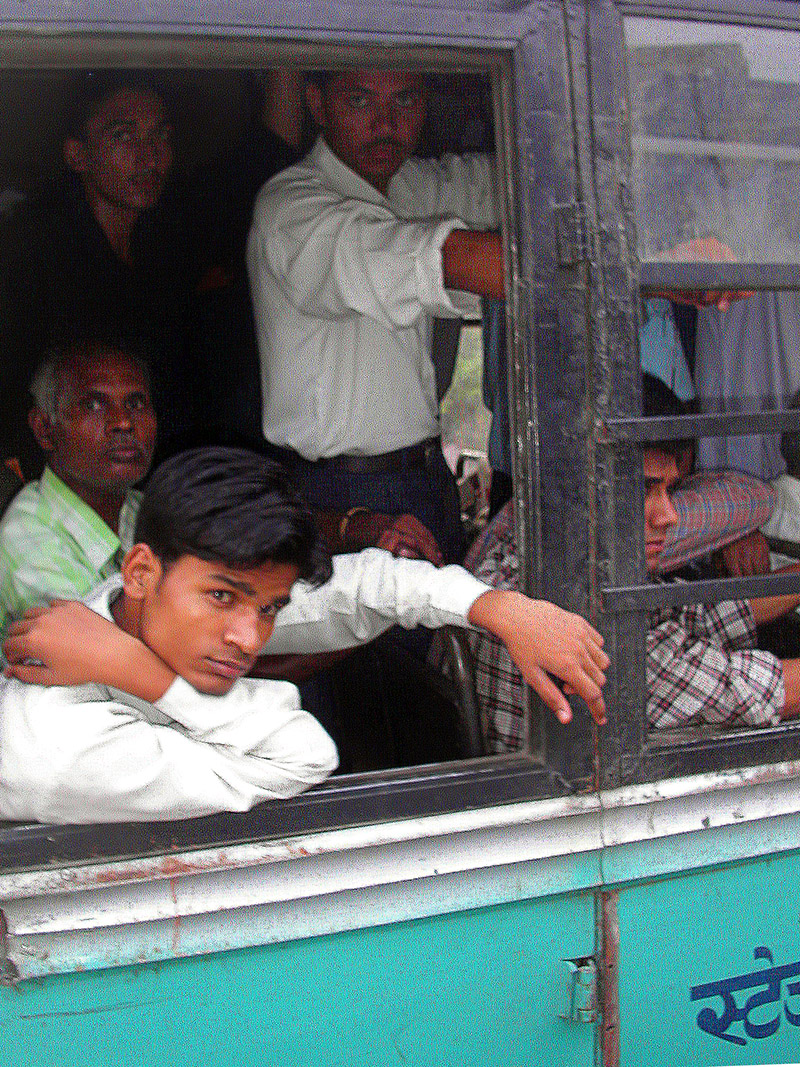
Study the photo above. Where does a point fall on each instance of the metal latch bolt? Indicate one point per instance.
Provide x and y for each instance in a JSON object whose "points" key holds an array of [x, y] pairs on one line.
{"points": [[581, 994], [574, 243]]}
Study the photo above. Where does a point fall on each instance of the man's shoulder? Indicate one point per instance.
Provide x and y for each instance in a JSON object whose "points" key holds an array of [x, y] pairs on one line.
{"points": [[40, 554], [464, 168], [27, 516], [299, 177]]}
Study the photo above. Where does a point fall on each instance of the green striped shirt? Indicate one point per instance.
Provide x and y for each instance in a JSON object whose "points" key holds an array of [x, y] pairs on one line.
{"points": [[52, 544]]}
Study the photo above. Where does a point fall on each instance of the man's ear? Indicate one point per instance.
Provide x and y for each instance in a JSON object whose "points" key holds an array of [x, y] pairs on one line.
{"points": [[316, 104], [75, 155], [141, 571], [42, 427]]}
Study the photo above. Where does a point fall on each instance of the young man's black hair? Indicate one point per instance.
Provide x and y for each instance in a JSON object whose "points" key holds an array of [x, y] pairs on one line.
{"points": [[96, 86], [229, 505], [658, 401]]}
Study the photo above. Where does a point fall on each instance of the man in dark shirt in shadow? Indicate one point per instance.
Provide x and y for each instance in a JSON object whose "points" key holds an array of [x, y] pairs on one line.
{"points": [[101, 246]]}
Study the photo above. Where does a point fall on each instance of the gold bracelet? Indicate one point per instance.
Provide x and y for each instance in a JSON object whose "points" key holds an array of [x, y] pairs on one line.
{"points": [[346, 520]]}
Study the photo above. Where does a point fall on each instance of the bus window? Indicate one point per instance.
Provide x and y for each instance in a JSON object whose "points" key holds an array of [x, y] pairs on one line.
{"points": [[212, 113], [716, 173], [715, 139]]}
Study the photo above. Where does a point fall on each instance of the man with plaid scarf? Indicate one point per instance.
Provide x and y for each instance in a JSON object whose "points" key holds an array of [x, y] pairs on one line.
{"points": [[703, 665]]}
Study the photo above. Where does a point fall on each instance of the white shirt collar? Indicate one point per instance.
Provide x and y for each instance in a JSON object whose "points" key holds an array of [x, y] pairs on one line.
{"points": [[343, 178]]}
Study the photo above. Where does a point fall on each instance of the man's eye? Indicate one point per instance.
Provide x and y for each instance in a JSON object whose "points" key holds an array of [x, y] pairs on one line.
{"points": [[222, 596], [136, 403], [93, 403], [357, 100], [120, 136], [271, 610]]}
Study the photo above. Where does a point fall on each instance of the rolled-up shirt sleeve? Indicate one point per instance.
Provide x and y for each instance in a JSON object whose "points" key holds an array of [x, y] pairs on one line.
{"points": [[714, 508], [369, 592], [337, 251], [334, 257], [702, 666], [87, 754]]}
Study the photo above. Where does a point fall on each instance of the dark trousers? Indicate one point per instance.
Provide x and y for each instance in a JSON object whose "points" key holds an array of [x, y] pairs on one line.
{"points": [[428, 492], [359, 702]]}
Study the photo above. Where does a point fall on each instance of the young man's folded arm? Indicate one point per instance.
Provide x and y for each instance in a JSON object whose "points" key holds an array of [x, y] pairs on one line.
{"points": [[693, 677], [70, 756]]}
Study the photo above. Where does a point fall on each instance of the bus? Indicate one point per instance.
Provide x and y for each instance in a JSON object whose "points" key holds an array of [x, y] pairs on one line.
{"points": [[606, 895]]}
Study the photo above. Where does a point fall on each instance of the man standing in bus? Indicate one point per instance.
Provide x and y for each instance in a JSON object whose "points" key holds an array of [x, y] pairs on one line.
{"points": [[352, 253]]}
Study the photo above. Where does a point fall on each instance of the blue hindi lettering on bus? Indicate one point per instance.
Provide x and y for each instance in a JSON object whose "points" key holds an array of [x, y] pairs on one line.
{"points": [[770, 978]]}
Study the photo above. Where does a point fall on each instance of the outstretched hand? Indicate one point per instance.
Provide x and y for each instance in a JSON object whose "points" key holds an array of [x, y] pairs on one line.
{"points": [[544, 639]]}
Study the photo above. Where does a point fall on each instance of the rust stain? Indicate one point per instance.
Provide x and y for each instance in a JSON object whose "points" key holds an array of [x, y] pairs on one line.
{"points": [[176, 934], [161, 866], [609, 991], [166, 865], [174, 865], [108, 877]]}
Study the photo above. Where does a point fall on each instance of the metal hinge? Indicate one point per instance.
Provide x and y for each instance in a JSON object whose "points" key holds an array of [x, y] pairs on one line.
{"points": [[8, 972], [581, 994], [573, 235]]}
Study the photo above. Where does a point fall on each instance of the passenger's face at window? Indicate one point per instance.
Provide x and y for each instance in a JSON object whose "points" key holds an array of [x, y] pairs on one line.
{"points": [[103, 436], [371, 119], [207, 621], [660, 478], [126, 154]]}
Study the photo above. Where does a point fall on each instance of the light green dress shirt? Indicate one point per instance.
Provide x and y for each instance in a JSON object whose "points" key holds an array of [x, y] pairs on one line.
{"points": [[52, 544]]}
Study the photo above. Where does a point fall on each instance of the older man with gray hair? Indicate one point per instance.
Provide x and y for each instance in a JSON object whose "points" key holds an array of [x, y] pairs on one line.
{"points": [[94, 419]]}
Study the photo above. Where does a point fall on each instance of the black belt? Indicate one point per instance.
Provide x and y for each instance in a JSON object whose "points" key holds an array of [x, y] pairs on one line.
{"points": [[412, 457]]}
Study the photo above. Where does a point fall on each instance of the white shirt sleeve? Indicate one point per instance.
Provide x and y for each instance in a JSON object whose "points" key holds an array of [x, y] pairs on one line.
{"points": [[87, 754], [334, 257], [463, 187], [369, 592]]}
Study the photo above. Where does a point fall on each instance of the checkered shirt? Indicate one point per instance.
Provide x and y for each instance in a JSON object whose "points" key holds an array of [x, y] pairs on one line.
{"points": [[52, 544], [702, 664], [498, 683]]}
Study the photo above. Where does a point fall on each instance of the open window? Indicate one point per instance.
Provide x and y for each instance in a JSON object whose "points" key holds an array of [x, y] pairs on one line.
{"points": [[478, 103]]}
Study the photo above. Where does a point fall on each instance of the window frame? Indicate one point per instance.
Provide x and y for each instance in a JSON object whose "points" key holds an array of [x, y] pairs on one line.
{"points": [[629, 753], [513, 46]]}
